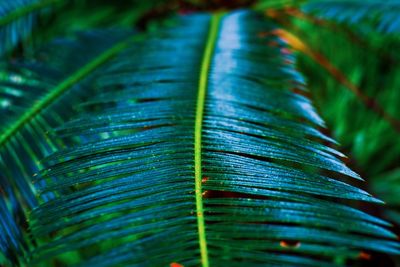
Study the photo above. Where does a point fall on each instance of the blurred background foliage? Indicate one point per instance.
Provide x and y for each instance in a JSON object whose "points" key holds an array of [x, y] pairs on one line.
{"points": [[353, 45], [370, 61], [351, 64]]}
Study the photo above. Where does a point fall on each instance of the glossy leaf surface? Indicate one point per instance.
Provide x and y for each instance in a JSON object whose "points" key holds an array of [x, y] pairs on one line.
{"points": [[199, 151]]}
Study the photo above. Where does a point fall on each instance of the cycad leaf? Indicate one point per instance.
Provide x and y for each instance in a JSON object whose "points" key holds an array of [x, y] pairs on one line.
{"points": [[17, 20], [195, 150], [384, 15], [35, 97]]}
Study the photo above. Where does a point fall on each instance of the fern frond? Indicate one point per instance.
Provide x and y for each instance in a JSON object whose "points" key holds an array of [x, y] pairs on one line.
{"points": [[384, 15], [198, 151]]}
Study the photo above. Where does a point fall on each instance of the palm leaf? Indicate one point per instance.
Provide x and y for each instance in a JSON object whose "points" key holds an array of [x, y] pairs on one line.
{"points": [[195, 150], [384, 15], [36, 96], [17, 20]]}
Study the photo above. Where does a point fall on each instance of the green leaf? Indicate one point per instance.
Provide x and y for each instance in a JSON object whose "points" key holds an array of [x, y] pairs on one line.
{"points": [[383, 15], [36, 97], [18, 19], [195, 150]]}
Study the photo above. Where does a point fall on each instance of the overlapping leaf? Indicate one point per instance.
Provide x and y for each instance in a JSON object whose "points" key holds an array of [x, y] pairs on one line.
{"points": [[29, 111], [17, 20], [384, 15]]}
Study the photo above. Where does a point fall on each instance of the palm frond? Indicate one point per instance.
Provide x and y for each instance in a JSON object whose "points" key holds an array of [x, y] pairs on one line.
{"points": [[17, 20], [383, 15], [35, 97], [199, 151]]}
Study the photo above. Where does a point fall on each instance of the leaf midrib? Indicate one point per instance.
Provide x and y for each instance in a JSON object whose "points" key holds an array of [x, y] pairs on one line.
{"points": [[202, 89], [64, 86]]}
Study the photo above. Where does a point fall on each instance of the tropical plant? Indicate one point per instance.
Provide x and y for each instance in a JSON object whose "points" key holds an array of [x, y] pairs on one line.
{"points": [[384, 15], [190, 143], [18, 19]]}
